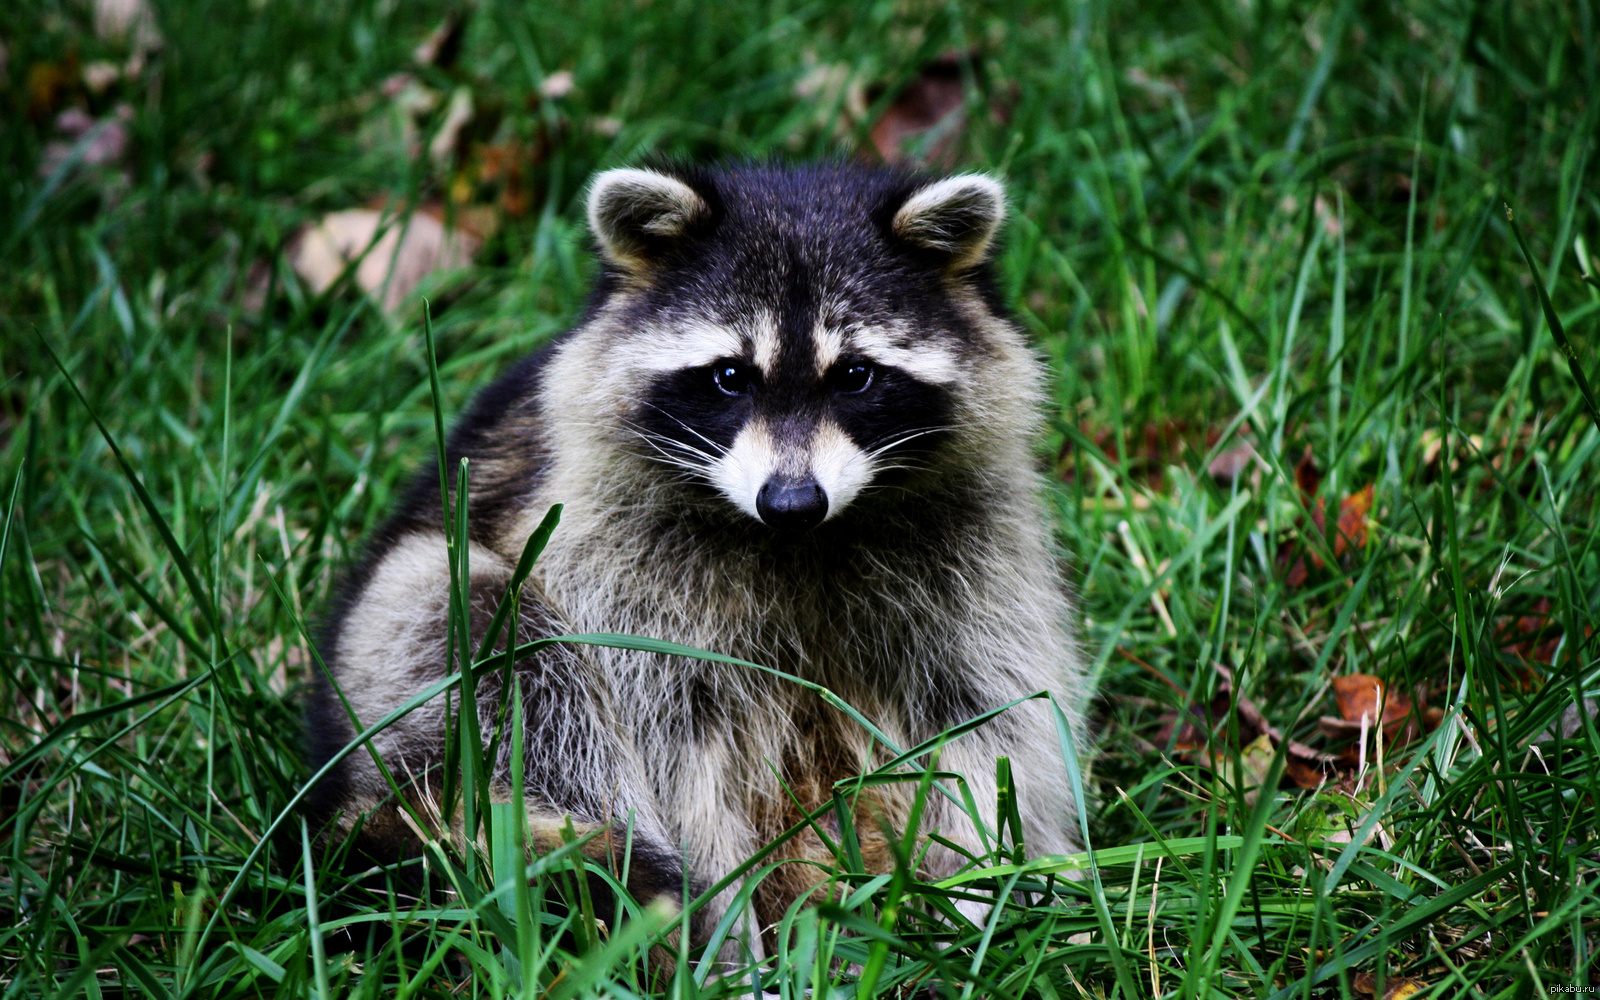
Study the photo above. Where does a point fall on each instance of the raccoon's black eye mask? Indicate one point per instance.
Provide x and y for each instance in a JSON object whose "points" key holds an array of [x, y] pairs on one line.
{"points": [[847, 378]]}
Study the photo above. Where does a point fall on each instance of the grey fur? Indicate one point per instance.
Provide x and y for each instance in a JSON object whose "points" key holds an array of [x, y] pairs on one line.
{"points": [[929, 593]]}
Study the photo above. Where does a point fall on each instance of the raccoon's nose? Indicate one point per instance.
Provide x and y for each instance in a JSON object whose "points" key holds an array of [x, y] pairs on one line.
{"points": [[792, 505]]}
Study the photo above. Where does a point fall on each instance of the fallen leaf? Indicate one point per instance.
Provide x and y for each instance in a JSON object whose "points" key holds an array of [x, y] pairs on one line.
{"points": [[1306, 475], [1203, 733], [1230, 464], [1394, 987], [1351, 527], [395, 255], [504, 172], [1255, 761], [1360, 698], [1532, 638], [1305, 773], [89, 142], [934, 97], [1364, 705], [1354, 511], [932, 109], [1297, 573]]}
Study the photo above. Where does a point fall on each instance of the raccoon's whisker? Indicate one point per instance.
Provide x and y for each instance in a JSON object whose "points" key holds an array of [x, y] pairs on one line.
{"points": [[675, 452], [667, 445], [679, 461], [902, 467], [895, 487], [877, 449], [675, 419]]}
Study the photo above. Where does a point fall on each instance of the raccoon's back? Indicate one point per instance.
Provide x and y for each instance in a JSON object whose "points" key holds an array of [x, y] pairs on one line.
{"points": [[502, 439]]}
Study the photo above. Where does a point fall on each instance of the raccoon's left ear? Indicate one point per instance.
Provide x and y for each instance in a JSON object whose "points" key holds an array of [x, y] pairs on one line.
{"points": [[637, 214], [957, 216]]}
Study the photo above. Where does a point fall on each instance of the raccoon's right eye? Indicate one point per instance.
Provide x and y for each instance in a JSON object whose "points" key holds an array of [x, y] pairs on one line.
{"points": [[853, 377], [732, 378]]}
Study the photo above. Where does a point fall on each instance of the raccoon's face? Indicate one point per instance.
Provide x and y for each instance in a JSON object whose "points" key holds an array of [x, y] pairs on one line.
{"points": [[792, 339]]}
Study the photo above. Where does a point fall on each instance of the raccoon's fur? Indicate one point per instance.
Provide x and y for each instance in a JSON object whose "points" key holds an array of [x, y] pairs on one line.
{"points": [[794, 426]]}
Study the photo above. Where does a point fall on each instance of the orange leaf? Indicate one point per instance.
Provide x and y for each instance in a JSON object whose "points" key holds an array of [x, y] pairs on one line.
{"points": [[1360, 697], [1363, 702], [1353, 511]]}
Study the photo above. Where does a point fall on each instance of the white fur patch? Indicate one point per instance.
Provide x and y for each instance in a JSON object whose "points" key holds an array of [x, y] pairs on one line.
{"points": [[764, 335], [392, 636], [840, 467], [928, 360], [746, 466], [690, 345], [829, 347]]}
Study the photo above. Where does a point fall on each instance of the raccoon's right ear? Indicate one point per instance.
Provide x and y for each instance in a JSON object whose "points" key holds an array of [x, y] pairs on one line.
{"points": [[635, 214], [957, 217]]}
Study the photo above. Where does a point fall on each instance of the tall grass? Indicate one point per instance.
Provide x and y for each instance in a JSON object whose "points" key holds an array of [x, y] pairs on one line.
{"points": [[1266, 248]]}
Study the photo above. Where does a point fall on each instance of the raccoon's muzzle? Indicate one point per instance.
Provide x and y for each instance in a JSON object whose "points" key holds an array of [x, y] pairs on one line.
{"points": [[790, 504]]}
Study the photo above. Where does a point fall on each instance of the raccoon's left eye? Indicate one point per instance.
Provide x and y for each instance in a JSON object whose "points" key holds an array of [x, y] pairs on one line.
{"points": [[853, 377], [731, 377]]}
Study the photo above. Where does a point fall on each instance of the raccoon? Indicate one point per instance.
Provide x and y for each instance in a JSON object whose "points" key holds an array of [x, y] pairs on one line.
{"points": [[793, 426]]}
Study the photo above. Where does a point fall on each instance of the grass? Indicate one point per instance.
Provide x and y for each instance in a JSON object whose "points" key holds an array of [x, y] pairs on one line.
{"points": [[1277, 224]]}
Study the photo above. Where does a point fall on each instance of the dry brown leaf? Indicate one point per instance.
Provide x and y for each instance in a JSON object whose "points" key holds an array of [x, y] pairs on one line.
{"points": [[1364, 704], [1360, 698], [1394, 988], [1354, 513], [1306, 773], [1201, 735], [933, 97], [1352, 526], [1306, 475], [1533, 637], [1232, 463], [96, 142], [395, 254], [504, 172], [934, 105], [1297, 573]]}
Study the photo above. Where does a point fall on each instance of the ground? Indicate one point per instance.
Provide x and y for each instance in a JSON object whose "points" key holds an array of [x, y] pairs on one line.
{"points": [[1317, 283]]}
